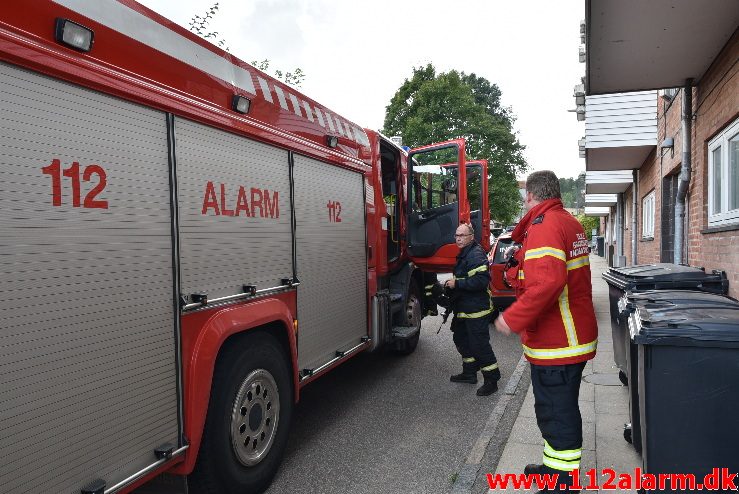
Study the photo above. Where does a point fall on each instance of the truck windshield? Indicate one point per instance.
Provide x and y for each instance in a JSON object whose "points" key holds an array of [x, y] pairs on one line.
{"points": [[433, 186]]}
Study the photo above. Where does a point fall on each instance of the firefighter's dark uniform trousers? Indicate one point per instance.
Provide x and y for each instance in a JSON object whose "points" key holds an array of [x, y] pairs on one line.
{"points": [[473, 310], [556, 389], [472, 339]]}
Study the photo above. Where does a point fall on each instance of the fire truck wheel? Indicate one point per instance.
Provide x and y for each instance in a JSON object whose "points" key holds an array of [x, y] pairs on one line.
{"points": [[249, 415], [413, 308]]}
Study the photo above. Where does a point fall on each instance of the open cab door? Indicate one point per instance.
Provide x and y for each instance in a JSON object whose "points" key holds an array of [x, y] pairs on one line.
{"points": [[477, 194], [444, 191]]}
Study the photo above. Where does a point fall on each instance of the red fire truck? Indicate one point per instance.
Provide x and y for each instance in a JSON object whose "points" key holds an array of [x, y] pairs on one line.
{"points": [[186, 243]]}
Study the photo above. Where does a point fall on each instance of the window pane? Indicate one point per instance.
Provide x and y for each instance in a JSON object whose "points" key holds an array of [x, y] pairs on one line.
{"points": [[734, 172], [503, 244], [716, 182], [648, 209], [648, 215]]}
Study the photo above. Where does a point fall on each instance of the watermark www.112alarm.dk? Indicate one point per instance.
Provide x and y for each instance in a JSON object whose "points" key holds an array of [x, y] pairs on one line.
{"points": [[719, 479]]}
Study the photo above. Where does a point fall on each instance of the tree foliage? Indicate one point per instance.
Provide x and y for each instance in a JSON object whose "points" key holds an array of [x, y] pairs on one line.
{"points": [[588, 224], [566, 188], [431, 107], [294, 78], [199, 25], [580, 191], [572, 191]]}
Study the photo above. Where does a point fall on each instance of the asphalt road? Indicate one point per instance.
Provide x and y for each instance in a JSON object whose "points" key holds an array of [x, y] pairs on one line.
{"points": [[383, 423]]}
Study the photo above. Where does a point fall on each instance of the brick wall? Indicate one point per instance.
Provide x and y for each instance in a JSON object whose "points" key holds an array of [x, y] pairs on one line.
{"points": [[648, 250], [716, 106]]}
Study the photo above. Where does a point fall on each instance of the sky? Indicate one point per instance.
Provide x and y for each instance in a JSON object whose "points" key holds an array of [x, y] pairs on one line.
{"points": [[357, 53]]}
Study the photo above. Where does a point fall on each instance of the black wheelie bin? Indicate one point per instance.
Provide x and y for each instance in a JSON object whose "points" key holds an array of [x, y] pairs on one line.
{"points": [[688, 366], [654, 300], [664, 276], [600, 245]]}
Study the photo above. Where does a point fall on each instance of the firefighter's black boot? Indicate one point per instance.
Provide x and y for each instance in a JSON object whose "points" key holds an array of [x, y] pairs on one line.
{"points": [[491, 383], [564, 479], [468, 375]]}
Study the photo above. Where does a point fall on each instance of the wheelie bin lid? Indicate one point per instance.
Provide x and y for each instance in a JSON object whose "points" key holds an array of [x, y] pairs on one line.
{"points": [[668, 298], [688, 326], [666, 276]]}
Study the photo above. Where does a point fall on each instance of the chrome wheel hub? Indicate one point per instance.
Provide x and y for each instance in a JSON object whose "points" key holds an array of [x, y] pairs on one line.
{"points": [[255, 417]]}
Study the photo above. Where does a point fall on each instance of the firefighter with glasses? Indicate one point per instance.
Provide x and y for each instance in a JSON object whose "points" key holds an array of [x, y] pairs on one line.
{"points": [[473, 309]]}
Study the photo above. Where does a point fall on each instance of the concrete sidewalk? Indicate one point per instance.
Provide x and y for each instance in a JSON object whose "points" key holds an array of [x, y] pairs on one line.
{"points": [[604, 404]]}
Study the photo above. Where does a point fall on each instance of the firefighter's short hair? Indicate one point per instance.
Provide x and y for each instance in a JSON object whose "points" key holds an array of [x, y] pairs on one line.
{"points": [[470, 228], [543, 185]]}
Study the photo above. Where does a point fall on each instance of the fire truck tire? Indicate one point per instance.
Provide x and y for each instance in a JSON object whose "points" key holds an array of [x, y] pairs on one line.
{"points": [[412, 317], [249, 414]]}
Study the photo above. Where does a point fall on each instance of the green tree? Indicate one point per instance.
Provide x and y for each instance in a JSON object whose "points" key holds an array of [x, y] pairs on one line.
{"points": [[588, 224], [572, 191], [580, 191], [567, 189], [199, 25], [431, 107]]}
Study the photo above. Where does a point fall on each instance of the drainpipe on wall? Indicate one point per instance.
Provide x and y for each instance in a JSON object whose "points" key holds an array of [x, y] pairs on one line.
{"points": [[619, 231], [608, 234], [685, 170], [633, 217]]}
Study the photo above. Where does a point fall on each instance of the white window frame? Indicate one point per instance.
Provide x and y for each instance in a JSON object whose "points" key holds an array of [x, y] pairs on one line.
{"points": [[627, 215], [614, 222], [724, 216], [647, 217]]}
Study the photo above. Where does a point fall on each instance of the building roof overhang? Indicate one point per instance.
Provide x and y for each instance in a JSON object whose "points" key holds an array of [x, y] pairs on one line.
{"points": [[610, 182], [600, 200], [635, 45]]}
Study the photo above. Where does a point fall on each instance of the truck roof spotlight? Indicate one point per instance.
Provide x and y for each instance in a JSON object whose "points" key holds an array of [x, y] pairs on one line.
{"points": [[240, 104], [73, 35], [332, 141]]}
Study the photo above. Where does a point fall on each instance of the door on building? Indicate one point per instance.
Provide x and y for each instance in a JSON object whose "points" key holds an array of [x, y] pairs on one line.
{"points": [[669, 195]]}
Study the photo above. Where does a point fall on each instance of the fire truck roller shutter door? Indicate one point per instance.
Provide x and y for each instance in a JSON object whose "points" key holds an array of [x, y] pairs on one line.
{"points": [[331, 260], [234, 206], [87, 323]]}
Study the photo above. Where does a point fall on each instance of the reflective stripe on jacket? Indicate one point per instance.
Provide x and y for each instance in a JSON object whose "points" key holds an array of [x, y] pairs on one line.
{"points": [[553, 312]]}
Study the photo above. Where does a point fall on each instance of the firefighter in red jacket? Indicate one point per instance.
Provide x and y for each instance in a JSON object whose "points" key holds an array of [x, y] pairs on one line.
{"points": [[554, 316]]}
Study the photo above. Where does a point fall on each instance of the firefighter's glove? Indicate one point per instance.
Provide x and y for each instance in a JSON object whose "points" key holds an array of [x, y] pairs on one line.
{"points": [[508, 255]]}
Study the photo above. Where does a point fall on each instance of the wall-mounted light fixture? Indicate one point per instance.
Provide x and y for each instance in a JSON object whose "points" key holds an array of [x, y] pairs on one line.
{"points": [[240, 104], [583, 31], [668, 143], [580, 111], [579, 94], [73, 35], [332, 141]]}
